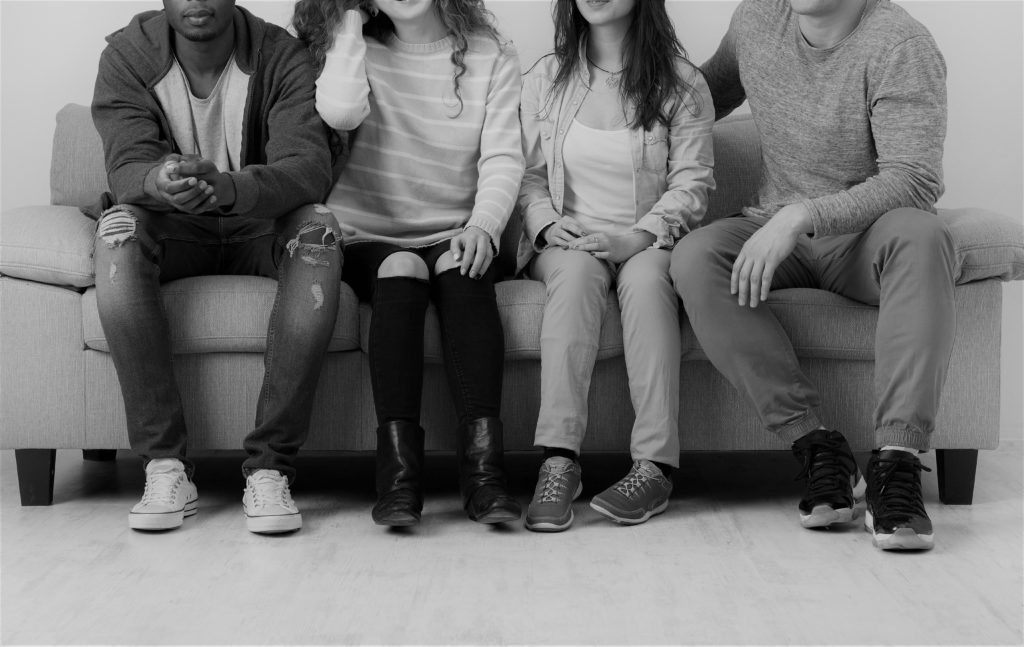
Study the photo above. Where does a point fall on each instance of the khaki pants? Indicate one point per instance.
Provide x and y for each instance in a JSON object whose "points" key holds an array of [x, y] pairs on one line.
{"points": [[903, 263], [577, 291]]}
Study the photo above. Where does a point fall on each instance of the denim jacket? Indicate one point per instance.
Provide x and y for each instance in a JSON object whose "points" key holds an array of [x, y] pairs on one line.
{"points": [[672, 167]]}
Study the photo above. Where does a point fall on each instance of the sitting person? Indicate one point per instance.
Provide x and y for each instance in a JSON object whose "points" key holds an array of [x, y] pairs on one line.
{"points": [[617, 135], [849, 98], [427, 190], [214, 155]]}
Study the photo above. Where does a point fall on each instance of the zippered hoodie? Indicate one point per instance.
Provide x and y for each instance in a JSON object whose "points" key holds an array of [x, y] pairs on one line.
{"points": [[286, 160]]}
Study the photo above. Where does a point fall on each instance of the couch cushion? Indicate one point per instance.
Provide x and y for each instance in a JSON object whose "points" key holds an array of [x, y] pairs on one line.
{"points": [[988, 245], [212, 314], [78, 174], [47, 244]]}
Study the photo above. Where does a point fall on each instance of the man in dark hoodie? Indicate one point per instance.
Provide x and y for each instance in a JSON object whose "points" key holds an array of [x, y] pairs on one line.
{"points": [[215, 158]]}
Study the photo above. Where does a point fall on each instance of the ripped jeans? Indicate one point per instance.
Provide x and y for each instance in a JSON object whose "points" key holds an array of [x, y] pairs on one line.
{"points": [[137, 250]]}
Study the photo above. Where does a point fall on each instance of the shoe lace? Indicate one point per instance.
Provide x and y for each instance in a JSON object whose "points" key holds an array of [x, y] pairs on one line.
{"points": [[161, 487], [552, 487], [633, 483], [898, 483], [826, 467], [268, 489]]}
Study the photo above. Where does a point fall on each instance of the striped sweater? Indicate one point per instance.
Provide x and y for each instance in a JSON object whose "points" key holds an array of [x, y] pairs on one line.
{"points": [[420, 171]]}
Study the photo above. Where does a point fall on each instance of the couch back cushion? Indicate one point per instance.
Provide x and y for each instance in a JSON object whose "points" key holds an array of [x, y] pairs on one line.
{"points": [[77, 172]]}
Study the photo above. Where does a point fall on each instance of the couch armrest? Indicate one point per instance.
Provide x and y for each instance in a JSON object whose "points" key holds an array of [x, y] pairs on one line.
{"points": [[47, 244], [988, 245]]}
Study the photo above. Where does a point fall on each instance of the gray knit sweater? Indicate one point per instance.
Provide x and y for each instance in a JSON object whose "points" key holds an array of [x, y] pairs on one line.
{"points": [[853, 131]]}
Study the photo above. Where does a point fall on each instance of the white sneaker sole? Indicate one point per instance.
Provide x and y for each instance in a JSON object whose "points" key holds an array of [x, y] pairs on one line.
{"points": [[162, 520], [823, 516], [269, 525], [627, 521], [548, 526], [902, 539]]}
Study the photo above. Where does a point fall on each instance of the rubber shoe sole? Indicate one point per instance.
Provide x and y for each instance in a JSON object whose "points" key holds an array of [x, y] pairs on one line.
{"points": [[902, 539], [629, 521], [162, 520], [554, 526], [496, 517], [273, 524], [824, 515]]}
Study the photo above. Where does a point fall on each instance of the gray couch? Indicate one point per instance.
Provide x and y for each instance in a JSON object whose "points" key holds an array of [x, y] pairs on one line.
{"points": [[58, 388]]}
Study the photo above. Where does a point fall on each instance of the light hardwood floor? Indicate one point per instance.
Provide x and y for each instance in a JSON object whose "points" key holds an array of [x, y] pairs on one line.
{"points": [[727, 564]]}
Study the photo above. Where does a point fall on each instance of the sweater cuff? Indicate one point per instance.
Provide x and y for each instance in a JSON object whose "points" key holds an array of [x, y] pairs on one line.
{"points": [[492, 228], [247, 192]]}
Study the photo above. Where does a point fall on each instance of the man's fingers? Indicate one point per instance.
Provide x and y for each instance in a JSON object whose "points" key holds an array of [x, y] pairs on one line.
{"points": [[174, 187], [766, 281], [754, 283], [734, 280], [743, 282]]}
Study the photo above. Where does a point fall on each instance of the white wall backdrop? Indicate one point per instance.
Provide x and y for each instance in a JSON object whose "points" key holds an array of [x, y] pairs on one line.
{"points": [[49, 51]]}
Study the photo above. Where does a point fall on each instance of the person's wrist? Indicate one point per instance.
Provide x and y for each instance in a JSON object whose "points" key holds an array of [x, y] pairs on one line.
{"points": [[798, 219], [226, 197], [542, 235]]}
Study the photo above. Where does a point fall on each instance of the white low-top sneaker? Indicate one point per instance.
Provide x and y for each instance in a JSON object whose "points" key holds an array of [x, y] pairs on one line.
{"points": [[268, 503], [169, 497]]}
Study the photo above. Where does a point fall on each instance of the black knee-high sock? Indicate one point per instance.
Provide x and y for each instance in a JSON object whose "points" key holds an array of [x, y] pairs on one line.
{"points": [[396, 347], [474, 343]]}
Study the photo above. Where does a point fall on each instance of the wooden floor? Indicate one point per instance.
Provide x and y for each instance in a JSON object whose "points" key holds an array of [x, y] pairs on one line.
{"points": [[727, 564]]}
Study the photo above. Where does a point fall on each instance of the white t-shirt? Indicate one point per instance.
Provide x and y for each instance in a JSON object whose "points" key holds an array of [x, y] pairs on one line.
{"points": [[210, 127]]}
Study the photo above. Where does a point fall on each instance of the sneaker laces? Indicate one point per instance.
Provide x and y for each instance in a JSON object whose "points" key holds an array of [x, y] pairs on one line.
{"points": [[632, 483], [824, 468], [161, 488], [268, 489], [551, 487], [899, 486]]}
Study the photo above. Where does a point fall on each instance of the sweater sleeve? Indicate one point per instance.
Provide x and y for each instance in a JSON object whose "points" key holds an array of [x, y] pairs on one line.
{"points": [[342, 90], [908, 125], [128, 123], [691, 161], [534, 193], [501, 156], [722, 70], [298, 159]]}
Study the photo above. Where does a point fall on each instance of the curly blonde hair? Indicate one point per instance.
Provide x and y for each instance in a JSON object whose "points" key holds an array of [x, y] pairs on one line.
{"points": [[316, 20]]}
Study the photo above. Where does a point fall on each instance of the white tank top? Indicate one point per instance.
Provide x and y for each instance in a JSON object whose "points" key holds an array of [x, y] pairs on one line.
{"points": [[599, 189]]}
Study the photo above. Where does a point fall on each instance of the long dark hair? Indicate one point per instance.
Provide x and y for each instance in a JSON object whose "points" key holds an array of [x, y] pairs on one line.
{"points": [[650, 81], [315, 22]]}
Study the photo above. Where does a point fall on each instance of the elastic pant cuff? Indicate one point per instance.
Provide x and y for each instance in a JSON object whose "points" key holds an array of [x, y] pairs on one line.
{"points": [[799, 428], [903, 435]]}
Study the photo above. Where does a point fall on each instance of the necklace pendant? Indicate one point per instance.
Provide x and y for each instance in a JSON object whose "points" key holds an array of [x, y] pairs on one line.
{"points": [[612, 80]]}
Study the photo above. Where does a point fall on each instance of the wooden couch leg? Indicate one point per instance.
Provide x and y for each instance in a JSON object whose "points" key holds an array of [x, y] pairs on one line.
{"points": [[35, 475], [957, 468], [103, 455]]}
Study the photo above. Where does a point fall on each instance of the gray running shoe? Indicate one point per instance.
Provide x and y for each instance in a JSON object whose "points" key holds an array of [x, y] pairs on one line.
{"points": [[640, 495], [558, 485]]}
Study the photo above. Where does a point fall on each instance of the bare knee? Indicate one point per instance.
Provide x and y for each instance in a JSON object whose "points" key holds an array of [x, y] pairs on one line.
{"points": [[403, 264], [117, 226], [445, 262]]}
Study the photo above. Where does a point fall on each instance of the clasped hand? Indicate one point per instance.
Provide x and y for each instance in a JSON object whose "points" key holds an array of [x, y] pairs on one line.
{"points": [[193, 185]]}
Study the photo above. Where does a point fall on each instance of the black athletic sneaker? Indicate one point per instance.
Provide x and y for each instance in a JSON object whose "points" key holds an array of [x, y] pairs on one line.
{"points": [[835, 487], [895, 515]]}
